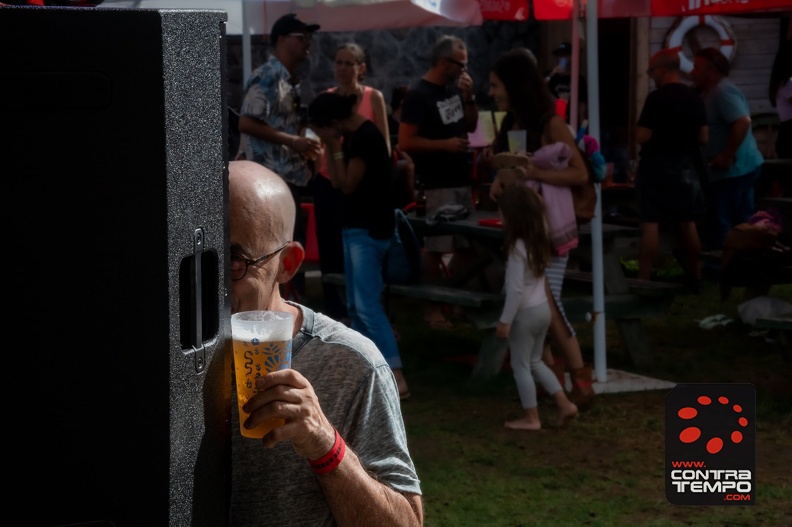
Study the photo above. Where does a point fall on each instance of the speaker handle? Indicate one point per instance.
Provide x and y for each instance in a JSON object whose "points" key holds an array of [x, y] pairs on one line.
{"points": [[199, 352]]}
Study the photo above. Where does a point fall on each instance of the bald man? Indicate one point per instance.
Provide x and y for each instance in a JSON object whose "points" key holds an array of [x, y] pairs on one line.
{"points": [[671, 130], [339, 381]]}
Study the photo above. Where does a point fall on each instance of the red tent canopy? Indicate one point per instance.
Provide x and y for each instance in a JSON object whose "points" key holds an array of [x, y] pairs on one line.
{"points": [[709, 7], [562, 9]]}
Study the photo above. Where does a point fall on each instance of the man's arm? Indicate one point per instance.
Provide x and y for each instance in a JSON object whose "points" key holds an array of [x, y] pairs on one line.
{"points": [[250, 126], [357, 499], [737, 132], [354, 496], [412, 143], [575, 173], [468, 102]]}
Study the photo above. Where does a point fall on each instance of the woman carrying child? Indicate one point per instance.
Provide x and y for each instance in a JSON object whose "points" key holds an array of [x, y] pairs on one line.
{"points": [[518, 88]]}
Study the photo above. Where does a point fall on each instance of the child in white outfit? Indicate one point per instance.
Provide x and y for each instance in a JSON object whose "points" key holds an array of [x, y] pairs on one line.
{"points": [[526, 313]]}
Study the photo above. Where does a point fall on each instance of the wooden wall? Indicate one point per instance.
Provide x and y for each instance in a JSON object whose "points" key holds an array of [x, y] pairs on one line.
{"points": [[757, 43]]}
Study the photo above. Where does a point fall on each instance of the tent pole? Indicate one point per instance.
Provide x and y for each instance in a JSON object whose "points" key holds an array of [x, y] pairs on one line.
{"points": [[247, 62], [575, 70], [592, 52]]}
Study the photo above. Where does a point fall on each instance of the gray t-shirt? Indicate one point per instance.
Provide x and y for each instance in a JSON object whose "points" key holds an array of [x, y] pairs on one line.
{"points": [[359, 396]]}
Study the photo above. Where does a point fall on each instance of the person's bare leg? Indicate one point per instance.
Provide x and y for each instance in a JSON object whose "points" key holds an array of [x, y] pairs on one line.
{"points": [[547, 353], [529, 420], [582, 393], [647, 255], [461, 261], [404, 391], [567, 343], [691, 243], [433, 274], [567, 410]]}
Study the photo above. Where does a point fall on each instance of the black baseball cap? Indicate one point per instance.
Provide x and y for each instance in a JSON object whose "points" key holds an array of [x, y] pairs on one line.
{"points": [[290, 24], [564, 48]]}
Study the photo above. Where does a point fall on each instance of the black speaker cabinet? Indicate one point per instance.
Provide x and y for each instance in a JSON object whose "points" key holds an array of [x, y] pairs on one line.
{"points": [[113, 162]]}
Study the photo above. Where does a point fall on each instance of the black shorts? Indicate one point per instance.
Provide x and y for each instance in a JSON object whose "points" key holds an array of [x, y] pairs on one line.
{"points": [[669, 190]]}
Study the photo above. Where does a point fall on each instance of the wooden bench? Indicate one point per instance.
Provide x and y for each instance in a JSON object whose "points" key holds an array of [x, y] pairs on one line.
{"points": [[484, 309], [433, 293], [636, 286]]}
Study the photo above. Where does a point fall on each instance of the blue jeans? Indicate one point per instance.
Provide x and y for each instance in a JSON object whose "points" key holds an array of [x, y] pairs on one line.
{"points": [[363, 257], [730, 202]]}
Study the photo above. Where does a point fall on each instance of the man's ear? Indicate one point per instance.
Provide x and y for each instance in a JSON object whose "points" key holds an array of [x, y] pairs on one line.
{"points": [[290, 261]]}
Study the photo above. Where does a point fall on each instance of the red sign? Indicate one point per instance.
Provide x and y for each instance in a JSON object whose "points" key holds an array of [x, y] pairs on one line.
{"points": [[553, 9], [562, 9], [703, 7], [504, 9]]}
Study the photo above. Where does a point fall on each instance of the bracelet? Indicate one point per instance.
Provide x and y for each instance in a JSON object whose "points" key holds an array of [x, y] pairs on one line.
{"points": [[338, 155], [332, 459]]}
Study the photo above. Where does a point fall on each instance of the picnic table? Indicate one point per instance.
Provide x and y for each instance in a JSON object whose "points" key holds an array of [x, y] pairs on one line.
{"points": [[627, 300]]}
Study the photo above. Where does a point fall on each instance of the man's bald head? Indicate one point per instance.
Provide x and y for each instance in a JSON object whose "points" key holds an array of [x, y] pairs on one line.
{"points": [[261, 198], [664, 67], [666, 58]]}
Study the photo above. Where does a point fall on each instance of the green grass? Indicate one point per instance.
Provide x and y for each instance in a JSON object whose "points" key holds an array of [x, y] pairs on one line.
{"points": [[607, 468]]}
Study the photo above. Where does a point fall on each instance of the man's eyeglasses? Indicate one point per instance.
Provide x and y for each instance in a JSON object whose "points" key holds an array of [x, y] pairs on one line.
{"points": [[462, 65], [304, 37], [239, 264]]}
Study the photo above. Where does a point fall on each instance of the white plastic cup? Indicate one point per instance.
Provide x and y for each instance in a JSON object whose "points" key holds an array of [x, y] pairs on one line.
{"points": [[262, 344], [517, 141]]}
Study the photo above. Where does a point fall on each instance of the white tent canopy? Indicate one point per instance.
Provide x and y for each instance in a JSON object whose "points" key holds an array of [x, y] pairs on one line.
{"points": [[255, 17]]}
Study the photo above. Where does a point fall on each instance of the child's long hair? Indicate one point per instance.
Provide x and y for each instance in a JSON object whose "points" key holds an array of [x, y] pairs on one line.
{"points": [[523, 213]]}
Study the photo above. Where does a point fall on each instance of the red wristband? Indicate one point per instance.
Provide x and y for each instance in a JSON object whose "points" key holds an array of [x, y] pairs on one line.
{"points": [[332, 459]]}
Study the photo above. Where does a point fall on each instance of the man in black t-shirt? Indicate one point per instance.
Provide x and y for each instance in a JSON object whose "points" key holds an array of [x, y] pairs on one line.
{"points": [[559, 80], [671, 129], [437, 114]]}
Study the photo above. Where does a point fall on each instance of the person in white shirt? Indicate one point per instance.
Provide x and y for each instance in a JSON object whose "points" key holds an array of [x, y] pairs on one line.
{"points": [[525, 318]]}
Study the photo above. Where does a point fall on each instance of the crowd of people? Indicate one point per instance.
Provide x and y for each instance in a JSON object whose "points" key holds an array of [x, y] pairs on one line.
{"points": [[342, 396]]}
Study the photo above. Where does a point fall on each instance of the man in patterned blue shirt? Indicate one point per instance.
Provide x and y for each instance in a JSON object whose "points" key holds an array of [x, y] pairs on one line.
{"points": [[270, 123]]}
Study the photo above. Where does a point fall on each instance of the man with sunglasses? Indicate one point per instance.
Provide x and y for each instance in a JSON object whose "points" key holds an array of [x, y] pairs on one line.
{"points": [[342, 456], [438, 112], [271, 119]]}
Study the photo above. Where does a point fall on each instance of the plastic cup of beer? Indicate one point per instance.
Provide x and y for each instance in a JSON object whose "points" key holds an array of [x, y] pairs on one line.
{"points": [[262, 344], [310, 134], [517, 141]]}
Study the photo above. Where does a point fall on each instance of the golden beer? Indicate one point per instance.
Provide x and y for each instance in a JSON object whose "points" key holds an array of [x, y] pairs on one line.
{"points": [[260, 347]]}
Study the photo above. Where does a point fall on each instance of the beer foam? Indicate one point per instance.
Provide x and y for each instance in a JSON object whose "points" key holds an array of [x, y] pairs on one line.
{"points": [[263, 334], [264, 326]]}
